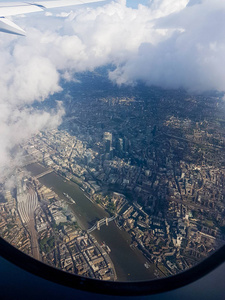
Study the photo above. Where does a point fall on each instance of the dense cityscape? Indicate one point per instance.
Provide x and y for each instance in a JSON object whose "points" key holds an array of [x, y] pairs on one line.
{"points": [[152, 159]]}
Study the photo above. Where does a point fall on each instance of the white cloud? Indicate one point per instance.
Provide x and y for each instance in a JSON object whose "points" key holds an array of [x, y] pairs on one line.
{"points": [[161, 8], [192, 58], [171, 43], [18, 124]]}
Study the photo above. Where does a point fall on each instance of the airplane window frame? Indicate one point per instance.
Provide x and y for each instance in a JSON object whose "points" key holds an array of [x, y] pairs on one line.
{"points": [[38, 268], [116, 288]]}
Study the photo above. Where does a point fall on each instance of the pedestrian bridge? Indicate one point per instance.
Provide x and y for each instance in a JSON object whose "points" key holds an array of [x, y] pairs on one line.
{"points": [[44, 173], [98, 224]]}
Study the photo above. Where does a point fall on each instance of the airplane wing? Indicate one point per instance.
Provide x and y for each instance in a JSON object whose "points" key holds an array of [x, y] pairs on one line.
{"points": [[16, 8]]}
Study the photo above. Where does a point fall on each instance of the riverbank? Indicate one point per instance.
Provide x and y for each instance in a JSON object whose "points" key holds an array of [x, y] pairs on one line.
{"points": [[128, 263]]}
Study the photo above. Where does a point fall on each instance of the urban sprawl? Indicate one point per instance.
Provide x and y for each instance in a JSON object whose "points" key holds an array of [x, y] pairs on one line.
{"points": [[154, 162]]}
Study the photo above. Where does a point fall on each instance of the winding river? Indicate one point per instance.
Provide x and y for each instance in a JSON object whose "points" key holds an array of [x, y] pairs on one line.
{"points": [[128, 262]]}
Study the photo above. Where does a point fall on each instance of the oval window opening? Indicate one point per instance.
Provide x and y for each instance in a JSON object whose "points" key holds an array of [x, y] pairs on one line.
{"points": [[112, 136]]}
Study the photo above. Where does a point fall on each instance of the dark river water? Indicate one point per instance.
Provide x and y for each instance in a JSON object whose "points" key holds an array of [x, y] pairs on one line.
{"points": [[129, 263]]}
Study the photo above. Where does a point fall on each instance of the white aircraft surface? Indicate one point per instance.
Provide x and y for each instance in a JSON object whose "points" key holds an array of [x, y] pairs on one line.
{"points": [[16, 8]]}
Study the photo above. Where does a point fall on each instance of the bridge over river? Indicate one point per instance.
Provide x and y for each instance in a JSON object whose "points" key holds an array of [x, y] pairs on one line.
{"points": [[98, 224], [44, 173]]}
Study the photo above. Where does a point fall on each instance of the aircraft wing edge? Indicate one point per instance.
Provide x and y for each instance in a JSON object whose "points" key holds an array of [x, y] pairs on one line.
{"points": [[9, 27], [24, 8], [16, 8]]}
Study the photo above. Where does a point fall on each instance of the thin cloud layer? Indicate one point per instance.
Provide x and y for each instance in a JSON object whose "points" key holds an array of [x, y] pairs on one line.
{"points": [[25, 77], [19, 124], [169, 43]]}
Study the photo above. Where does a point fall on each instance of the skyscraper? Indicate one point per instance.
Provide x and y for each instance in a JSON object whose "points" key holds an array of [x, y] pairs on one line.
{"points": [[107, 139]]}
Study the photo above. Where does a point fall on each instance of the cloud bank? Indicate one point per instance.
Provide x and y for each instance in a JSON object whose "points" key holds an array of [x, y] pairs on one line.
{"points": [[168, 43], [192, 57]]}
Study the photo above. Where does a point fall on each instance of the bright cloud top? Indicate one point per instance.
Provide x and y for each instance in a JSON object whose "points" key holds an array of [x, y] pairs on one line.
{"points": [[169, 43], [192, 57]]}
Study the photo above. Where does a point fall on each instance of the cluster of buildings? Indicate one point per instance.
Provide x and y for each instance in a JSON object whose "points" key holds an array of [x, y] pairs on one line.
{"points": [[11, 226], [35, 217], [169, 215], [63, 244], [155, 159], [163, 154]]}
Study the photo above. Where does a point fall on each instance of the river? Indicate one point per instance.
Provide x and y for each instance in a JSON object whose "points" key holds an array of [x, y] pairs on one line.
{"points": [[129, 263]]}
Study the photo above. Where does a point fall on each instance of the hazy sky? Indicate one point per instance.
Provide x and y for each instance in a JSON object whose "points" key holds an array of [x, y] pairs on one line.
{"points": [[169, 43]]}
